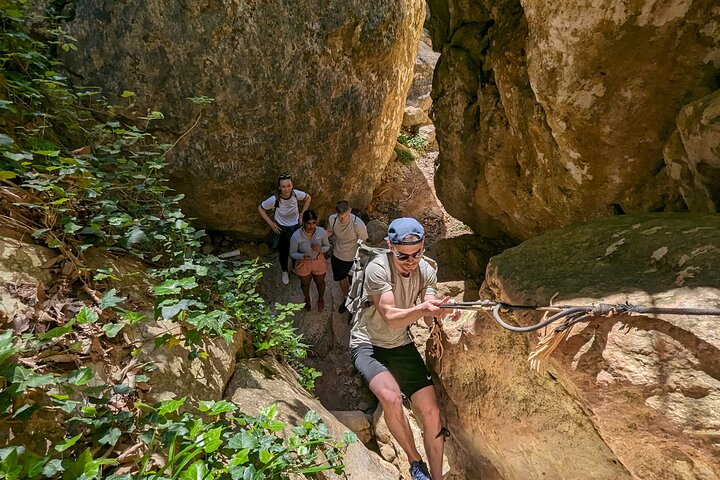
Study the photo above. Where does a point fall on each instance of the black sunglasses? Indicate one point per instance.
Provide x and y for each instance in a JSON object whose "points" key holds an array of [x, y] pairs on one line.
{"points": [[285, 176], [404, 257]]}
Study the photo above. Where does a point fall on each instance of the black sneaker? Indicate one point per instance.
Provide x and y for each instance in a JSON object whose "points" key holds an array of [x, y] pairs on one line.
{"points": [[419, 471], [342, 308]]}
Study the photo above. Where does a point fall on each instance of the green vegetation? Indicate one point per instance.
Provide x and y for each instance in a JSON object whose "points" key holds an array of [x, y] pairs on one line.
{"points": [[415, 142], [82, 175], [404, 156]]}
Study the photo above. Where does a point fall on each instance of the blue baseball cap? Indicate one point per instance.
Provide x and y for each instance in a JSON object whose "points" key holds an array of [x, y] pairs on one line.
{"points": [[401, 228]]}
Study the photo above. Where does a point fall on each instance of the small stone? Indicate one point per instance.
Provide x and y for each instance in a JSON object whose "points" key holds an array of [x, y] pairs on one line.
{"points": [[414, 116], [427, 132]]}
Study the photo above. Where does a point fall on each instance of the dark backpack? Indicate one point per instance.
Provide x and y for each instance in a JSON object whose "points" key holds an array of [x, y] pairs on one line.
{"points": [[358, 298]]}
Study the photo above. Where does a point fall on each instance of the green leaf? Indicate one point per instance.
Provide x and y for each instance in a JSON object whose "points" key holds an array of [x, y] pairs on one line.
{"points": [[18, 157], [34, 464], [110, 300], [111, 437], [5, 140], [174, 286], [242, 440], [132, 317], [52, 468], [136, 236], [122, 389], [168, 406], [49, 153], [25, 412], [275, 425], [86, 316], [349, 438], [57, 331], [25, 379], [240, 458], [68, 406], [62, 446], [169, 312], [7, 349], [197, 471], [214, 408], [80, 377], [126, 94], [112, 329], [265, 456], [7, 174], [211, 440]]}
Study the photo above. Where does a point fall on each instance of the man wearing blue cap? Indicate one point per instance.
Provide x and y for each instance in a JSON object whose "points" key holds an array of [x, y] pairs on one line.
{"points": [[383, 351]]}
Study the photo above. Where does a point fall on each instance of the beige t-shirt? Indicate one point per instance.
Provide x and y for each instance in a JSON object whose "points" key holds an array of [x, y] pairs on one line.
{"points": [[346, 235], [369, 326]]}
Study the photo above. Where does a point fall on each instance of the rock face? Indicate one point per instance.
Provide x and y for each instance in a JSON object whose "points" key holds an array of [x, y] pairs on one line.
{"points": [[261, 382], [313, 89], [551, 113], [625, 396]]}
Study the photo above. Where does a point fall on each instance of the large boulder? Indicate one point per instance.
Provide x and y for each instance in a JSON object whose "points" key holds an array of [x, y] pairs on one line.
{"points": [[315, 89], [624, 396], [550, 113], [259, 382], [692, 154]]}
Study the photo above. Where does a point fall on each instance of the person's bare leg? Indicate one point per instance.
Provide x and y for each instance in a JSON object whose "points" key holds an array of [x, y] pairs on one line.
{"points": [[320, 284], [425, 404], [386, 389], [305, 285], [344, 287]]}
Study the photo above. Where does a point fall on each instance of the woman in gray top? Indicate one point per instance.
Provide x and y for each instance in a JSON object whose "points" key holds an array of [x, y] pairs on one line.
{"points": [[308, 245]]}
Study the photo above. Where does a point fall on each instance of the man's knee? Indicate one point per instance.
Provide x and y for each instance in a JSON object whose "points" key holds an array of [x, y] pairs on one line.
{"points": [[391, 400], [430, 413]]}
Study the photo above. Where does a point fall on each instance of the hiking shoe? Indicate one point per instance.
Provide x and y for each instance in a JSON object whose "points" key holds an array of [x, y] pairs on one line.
{"points": [[285, 278], [419, 471], [308, 307], [342, 308], [321, 305]]}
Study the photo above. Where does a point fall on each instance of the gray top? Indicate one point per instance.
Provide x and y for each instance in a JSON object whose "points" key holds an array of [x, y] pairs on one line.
{"points": [[380, 277], [346, 235], [301, 245]]}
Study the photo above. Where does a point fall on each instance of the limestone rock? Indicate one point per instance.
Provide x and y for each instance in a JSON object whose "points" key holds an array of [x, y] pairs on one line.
{"points": [[313, 89], [414, 116], [176, 375], [699, 130], [425, 102], [391, 450], [377, 231], [550, 113], [625, 397], [259, 382], [427, 132], [425, 62], [357, 422]]}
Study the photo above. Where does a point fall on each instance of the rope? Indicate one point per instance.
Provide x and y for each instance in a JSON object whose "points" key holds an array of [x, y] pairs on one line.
{"points": [[572, 315], [570, 311]]}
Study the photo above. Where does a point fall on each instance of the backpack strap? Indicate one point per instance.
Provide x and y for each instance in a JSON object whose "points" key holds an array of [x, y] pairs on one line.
{"points": [[277, 198]]}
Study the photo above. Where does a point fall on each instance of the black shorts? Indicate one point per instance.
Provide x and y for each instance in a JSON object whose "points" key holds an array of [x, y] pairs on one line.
{"points": [[404, 363], [341, 268]]}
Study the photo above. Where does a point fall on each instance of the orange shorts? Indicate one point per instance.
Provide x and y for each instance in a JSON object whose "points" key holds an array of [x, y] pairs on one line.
{"points": [[306, 267]]}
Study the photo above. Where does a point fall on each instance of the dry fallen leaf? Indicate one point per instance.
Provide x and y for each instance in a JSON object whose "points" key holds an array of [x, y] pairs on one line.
{"points": [[82, 150]]}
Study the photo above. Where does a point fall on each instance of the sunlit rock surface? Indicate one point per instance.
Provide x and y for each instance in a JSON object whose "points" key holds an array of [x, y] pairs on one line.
{"points": [[552, 113], [315, 89], [625, 396]]}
